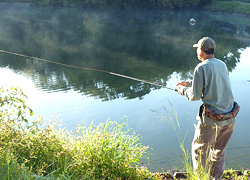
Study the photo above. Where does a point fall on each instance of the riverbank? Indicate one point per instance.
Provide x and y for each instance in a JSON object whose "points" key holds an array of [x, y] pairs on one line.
{"points": [[228, 174], [236, 7], [129, 4]]}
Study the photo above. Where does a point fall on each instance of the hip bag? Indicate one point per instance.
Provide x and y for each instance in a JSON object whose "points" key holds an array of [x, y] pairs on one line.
{"points": [[205, 109]]}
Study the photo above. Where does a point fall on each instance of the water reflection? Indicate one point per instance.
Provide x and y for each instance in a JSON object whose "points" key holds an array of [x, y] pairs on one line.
{"points": [[240, 72], [149, 45]]}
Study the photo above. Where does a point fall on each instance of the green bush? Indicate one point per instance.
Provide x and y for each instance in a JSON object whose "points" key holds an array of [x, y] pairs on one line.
{"points": [[107, 151]]}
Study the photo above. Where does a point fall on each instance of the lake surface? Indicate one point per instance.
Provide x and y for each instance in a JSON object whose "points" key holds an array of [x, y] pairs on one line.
{"points": [[150, 45]]}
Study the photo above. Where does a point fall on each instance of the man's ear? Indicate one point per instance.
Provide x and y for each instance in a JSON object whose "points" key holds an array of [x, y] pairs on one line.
{"points": [[201, 52]]}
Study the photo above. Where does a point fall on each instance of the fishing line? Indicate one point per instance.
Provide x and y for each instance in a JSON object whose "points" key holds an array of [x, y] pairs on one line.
{"points": [[89, 69]]}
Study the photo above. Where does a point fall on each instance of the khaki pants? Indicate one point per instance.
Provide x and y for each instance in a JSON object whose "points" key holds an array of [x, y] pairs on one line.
{"points": [[209, 147]]}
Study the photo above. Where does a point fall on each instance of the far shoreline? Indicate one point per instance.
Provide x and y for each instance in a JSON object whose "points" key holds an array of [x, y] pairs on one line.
{"points": [[230, 7]]}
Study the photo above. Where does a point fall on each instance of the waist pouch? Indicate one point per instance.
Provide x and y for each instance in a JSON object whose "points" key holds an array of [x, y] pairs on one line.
{"points": [[204, 109]]}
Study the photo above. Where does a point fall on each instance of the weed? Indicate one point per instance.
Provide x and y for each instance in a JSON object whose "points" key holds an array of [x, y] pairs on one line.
{"points": [[31, 151], [203, 170]]}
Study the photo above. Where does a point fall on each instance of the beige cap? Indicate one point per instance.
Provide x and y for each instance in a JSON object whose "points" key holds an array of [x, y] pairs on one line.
{"points": [[206, 43]]}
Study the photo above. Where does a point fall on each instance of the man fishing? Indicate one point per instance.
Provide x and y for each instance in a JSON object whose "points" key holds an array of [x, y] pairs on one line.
{"points": [[217, 114]]}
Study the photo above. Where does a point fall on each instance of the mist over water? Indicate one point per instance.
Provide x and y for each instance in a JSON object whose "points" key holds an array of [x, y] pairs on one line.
{"points": [[150, 45]]}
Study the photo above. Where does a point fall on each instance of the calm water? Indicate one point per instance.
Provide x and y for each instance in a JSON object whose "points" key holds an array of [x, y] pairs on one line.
{"points": [[151, 45]]}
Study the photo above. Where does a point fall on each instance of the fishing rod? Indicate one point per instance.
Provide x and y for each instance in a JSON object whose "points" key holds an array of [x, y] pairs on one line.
{"points": [[90, 69]]}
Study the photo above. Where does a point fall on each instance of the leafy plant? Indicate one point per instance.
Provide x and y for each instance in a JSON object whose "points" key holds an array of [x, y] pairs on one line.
{"points": [[12, 105], [107, 151]]}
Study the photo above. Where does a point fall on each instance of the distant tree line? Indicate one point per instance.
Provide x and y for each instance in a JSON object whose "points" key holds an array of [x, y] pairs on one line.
{"points": [[170, 4], [246, 1]]}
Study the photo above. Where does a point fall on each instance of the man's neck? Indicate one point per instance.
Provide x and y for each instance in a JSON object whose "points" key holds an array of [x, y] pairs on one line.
{"points": [[207, 57]]}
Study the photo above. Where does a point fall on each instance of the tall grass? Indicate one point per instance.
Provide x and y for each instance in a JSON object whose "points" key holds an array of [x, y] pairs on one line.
{"points": [[203, 172], [105, 151], [109, 150], [102, 152]]}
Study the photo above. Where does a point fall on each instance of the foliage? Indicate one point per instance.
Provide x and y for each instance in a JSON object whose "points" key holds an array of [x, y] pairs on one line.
{"points": [[12, 105], [107, 151], [230, 6], [118, 3]]}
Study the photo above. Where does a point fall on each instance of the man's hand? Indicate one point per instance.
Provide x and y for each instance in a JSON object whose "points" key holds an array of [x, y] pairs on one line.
{"points": [[183, 83], [179, 89], [180, 86]]}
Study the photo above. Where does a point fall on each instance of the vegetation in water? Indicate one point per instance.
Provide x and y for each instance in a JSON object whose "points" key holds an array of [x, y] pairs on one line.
{"points": [[33, 150]]}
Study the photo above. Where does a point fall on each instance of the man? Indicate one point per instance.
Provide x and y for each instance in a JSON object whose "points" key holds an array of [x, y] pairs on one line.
{"points": [[216, 117]]}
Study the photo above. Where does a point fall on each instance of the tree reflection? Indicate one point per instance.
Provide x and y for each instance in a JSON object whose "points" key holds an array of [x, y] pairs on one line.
{"points": [[150, 45]]}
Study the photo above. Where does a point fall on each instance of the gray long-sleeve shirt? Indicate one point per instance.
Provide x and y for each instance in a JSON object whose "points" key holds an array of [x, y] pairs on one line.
{"points": [[211, 84]]}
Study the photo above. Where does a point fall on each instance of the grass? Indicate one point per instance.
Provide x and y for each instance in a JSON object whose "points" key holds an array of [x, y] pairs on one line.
{"points": [[230, 7], [203, 172], [44, 151], [109, 150]]}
